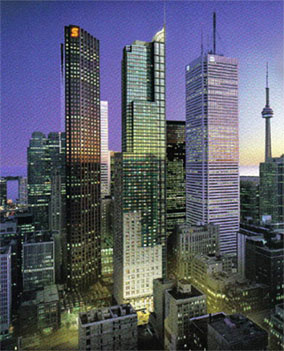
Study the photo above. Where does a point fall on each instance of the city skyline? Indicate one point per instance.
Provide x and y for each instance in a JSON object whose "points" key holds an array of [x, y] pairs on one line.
{"points": [[265, 46]]}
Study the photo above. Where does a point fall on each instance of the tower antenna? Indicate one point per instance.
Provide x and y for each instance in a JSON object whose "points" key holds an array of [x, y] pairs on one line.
{"points": [[201, 40], [267, 88], [164, 13], [214, 32]]}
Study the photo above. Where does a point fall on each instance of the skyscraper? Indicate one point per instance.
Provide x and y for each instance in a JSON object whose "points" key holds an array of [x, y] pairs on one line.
{"points": [[105, 154], [81, 65], [212, 146], [175, 174], [140, 198]]}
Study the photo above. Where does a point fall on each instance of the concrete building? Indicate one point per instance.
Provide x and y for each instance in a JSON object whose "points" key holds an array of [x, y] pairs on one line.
{"points": [[140, 182], [81, 71], [113, 328], [235, 332], [48, 307], [193, 240], [5, 291], [38, 267], [181, 303], [212, 146]]}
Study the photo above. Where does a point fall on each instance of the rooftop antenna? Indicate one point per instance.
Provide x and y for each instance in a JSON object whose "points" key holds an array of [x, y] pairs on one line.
{"points": [[267, 89], [201, 40], [164, 13], [214, 33]]}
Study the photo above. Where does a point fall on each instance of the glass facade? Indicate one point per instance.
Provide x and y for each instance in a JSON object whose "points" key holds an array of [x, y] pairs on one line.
{"points": [[140, 194], [83, 150], [105, 154], [175, 174], [212, 152]]}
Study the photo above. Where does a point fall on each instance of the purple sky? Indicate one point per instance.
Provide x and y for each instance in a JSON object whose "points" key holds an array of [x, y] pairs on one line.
{"points": [[32, 32]]}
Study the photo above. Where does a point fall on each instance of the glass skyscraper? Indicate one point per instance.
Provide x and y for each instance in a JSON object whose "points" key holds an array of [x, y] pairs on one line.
{"points": [[140, 194], [81, 65], [212, 146], [105, 154]]}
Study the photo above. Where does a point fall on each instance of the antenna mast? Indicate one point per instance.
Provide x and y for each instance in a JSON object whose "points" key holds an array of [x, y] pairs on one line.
{"points": [[214, 33]]}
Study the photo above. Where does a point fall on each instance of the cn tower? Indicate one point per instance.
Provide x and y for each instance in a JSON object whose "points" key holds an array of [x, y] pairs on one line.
{"points": [[267, 113]]}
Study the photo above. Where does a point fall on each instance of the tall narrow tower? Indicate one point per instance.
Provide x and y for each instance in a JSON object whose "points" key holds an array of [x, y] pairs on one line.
{"points": [[267, 113], [83, 149]]}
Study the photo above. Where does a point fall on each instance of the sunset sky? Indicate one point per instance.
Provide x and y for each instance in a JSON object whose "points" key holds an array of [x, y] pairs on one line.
{"points": [[251, 31]]}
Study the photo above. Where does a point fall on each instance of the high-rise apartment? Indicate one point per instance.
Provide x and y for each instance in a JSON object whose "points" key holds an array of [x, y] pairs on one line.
{"points": [[175, 174], [105, 154], [81, 63], [212, 145], [140, 196]]}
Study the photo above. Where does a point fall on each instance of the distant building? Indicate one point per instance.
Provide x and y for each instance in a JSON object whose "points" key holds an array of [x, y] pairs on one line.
{"points": [[271, 189], [38, 262], [5, 291], [175, 174], [3, 192], [235, 332], [181, 303], [107, 236], [192, 240], [105, 154], [48, 307], [249, 198], [112, 328], [276, 331], [23, 191]]}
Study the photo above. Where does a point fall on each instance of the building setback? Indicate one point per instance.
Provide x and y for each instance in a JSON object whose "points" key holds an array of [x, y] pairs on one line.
{"points": [[81, 67], [112, 328], [212, 146], [140, 194]]}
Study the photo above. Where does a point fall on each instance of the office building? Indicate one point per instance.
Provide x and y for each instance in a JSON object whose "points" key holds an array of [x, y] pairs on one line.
{"points": [[5, 291], [249, 198], [38, 268], [235, 332], [45, 156], [275, 327], [3, 192], [140, 194], [112, 328], [271, 189], [81, 68], [193, 240], [107, 236], [48, 307], [181, 303], [105, 154], [175, 175], [212, 146], [23, 191]]}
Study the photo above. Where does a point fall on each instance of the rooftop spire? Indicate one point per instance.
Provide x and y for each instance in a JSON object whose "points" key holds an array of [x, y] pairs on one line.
{"points": [[214, 32], [267, 89]]}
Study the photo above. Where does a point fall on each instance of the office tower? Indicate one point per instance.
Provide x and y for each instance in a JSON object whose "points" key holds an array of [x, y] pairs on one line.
{"points": [[175, 174], [112, 328], [5, 291], [3, 192], [271, 189], [235, 332], [45, 156], [107, 236], [81, 63], [112, 171], [140, 197], [181, 303], [249, 198], [23, 191], [212, 147], [264, 255], [38, 262], [191, 241], [105, 154]]}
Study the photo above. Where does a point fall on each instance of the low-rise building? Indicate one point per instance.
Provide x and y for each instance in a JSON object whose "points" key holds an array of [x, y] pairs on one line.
{"points": [[275, 327], [113, 328], [235, 332], [181, 303]]}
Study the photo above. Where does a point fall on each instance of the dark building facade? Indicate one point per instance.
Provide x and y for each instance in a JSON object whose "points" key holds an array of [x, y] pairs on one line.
{"points": [[249, 198], [81, 65], [175, 175]]}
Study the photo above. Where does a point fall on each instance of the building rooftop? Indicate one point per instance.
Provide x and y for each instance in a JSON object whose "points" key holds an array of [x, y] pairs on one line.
{"points": [[236, 327], [184, 291], [103, 314], [48, 294]]}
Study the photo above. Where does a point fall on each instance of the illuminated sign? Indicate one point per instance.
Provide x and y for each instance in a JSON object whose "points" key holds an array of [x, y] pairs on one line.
{"points": [[74, 32]]}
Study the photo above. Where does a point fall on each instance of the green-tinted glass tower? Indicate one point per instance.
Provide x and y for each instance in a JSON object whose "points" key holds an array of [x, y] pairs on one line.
{"points": [[81, 66], [140, 194]]}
